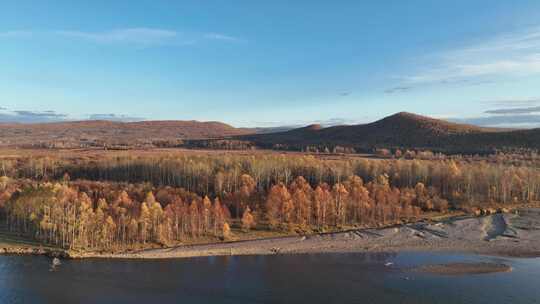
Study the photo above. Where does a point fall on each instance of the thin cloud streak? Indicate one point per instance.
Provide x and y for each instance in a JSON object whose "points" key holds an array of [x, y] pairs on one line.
{"points": [[506, 56], [529, 39], [24, 116], [398, 89], [222, 37], [337, 121], [131, 36], [514, 102], [27, 116], [15, 34], [114, 117], [528, 110], [503, 121], [513, 106]]}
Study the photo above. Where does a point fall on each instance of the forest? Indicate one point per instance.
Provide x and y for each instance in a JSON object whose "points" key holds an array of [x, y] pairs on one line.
{"points": [[116, 201]]}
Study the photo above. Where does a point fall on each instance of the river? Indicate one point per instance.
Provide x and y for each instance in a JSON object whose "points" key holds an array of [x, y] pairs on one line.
{"points": [[319, 278]]}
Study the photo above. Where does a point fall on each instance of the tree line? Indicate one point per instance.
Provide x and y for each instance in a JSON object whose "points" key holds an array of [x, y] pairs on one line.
{"points": [[102, 215], [497, 179], [194, 198]]}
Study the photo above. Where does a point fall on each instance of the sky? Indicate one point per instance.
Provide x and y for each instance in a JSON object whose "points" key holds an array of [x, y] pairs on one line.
{"points": [[270, 63]]}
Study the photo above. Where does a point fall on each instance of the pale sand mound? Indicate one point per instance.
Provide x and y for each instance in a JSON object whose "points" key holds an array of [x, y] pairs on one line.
{"points": [[464, 268]]}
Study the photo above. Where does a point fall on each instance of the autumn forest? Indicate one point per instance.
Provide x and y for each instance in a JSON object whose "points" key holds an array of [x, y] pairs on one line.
{"points": [[116, 201]]}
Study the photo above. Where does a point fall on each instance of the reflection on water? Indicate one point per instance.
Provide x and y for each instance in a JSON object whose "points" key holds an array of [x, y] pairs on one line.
{"points": [[328, 278]]}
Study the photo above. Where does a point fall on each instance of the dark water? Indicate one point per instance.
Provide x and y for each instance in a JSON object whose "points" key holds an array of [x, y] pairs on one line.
{"points": [[329, 278]]}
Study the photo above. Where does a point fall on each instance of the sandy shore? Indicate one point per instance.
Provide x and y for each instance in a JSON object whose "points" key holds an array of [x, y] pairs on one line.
{"points": [[510, 234]]}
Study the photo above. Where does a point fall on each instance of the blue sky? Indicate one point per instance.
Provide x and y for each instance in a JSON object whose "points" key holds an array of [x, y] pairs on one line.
{"points": [[270, 63]]}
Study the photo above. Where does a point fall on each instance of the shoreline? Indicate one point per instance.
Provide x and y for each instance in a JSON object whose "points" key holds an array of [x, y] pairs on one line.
{"points": [[508, 235], [53, 253]]}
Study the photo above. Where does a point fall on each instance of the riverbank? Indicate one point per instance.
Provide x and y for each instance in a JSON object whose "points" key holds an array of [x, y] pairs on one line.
{"points": [[506, 234], [12, 244], [14, 250], [509, 234]]}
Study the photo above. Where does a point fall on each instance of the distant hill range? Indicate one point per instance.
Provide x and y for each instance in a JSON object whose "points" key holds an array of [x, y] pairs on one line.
{"points": [[402, 130], [112, 134]]}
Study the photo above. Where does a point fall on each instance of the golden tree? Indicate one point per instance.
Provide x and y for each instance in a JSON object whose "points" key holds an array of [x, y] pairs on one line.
{"points": [[226, 231], [248, 221]]}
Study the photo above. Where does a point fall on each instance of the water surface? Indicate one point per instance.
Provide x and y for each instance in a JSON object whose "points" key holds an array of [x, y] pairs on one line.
{"points": [[321, 278]]}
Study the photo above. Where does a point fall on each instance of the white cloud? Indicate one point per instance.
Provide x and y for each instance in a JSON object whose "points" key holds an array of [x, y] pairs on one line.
{"points": [[509, 55], [337, 121], [134, 36], [115, 117], [528, 39], [31, 116], [25, 116], [514, 102], [129, 35], [15, 34], [503, 121], [216, 36]]}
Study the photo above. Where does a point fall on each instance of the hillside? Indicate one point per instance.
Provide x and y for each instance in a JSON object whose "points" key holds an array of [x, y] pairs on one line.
{"points": [[401, 130], [109, 133], [405, 130]]}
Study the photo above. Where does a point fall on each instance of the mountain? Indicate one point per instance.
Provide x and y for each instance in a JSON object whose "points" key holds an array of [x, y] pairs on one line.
{"points": [[403, 130], [101, 132]]}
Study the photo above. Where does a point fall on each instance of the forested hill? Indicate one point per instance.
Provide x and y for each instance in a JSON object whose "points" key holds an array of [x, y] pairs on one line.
{"points": [[110, 133], [402, 130]]}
